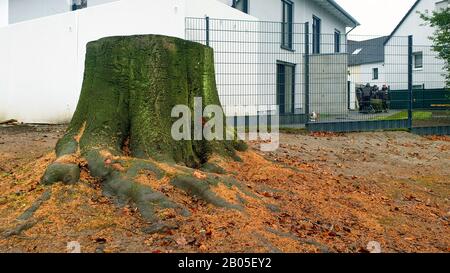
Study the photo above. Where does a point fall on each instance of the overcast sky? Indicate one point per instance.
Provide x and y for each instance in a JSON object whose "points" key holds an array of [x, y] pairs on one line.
{"points": [[377, 17]]}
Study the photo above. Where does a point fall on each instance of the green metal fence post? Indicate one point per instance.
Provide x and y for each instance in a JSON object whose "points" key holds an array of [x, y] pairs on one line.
{"points": [[306, 73], [410, 81], [207, 30]]}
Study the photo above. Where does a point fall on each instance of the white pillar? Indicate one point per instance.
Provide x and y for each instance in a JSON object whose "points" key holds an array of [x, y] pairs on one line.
{"points": [[4, 13]]}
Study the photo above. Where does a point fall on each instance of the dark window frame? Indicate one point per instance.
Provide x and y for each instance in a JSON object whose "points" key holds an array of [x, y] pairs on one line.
{"points": [[375, 73], [317, 32], [282, 95], [83, 4], [419, 86], [337, 41], [287, 25], [245, 5], [415, 54]]}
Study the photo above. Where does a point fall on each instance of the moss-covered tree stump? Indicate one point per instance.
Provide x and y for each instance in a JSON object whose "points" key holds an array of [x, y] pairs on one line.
{"points": [[122, 124]]}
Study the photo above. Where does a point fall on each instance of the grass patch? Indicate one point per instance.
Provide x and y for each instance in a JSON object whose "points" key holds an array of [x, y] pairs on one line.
{"points": [[417, 115], [285, 130], [395, 130]]}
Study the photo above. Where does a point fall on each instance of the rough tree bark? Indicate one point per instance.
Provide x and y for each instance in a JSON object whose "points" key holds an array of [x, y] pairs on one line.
{"points": [[122, 124]]}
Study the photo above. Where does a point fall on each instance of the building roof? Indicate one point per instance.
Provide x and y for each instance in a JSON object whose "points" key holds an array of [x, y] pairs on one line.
{"points": [[403, 20], [366, 52], [335, 9]]}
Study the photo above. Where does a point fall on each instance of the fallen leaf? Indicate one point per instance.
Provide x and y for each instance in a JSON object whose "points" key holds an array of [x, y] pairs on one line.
{"points": [[199, 175], [181, 241]]}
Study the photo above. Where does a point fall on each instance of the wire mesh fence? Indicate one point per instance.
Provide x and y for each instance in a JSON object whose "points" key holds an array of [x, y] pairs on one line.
{"points": [[309, 77]]}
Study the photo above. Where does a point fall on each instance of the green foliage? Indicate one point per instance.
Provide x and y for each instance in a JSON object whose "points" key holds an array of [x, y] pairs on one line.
{"points": [[440, 20], [417, 115]]}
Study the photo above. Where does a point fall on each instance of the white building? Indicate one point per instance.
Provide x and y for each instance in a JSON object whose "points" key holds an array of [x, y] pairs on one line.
{"points": [[283, 56], [43, 43], [14, 11], [384, 60], [366, 61], [428, 78]]}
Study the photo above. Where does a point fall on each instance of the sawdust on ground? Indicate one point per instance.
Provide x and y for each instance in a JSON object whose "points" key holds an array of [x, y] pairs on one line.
{"points": [[317, 193]]}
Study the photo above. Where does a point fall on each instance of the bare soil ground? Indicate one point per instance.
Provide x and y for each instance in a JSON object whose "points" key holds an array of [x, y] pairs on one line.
{"points": [[317, 193]]}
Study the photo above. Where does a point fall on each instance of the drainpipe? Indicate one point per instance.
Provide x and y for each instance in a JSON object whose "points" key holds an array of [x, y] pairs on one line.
{"points": [[346, 37], [346, 34]]}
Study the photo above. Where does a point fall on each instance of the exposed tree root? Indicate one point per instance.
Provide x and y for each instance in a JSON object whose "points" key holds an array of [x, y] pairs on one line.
{"points": [[35, 206], [323, 248], [21, 227], [26, 220], [267, 244], [119, 181], [67, 173]]}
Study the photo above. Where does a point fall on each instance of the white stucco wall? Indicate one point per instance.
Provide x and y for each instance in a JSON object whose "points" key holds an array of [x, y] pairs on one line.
{"points": [[247, 68], [270, 13], [42, 60], [4, 13], [38, 70], [235, 41], [396, 53], [362, 74], [271, 10], [99, 2], [22, 10]]}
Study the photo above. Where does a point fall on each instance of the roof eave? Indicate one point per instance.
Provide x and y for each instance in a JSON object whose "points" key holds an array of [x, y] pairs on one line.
{"points": [[401, 22], [362, 63], [344, 12]]}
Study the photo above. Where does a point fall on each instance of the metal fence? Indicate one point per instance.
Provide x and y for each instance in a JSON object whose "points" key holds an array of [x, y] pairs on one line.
{"points": [[326, 82]]}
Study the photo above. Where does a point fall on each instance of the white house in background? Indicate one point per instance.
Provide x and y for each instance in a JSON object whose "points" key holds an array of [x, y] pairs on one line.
{"points": [[384, 60], [427, 68], [326, 13], [42, 49], [366, 61], [282, 52]]}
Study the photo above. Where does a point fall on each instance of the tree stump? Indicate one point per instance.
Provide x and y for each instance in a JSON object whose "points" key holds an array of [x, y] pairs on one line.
{"points": [[122, 123]]}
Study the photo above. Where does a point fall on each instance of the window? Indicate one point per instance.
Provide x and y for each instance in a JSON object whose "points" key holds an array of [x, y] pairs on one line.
{"points": [[286, 87], [337, 41], [317, 25], [375, 74], [241, 5], [286, 27], [79, 4], [357, 51], [418, 60]]}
